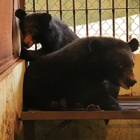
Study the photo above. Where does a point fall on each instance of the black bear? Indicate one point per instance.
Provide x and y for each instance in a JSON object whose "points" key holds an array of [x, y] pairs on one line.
{"points": [[52, 33], [41, 28], [77, 72]]}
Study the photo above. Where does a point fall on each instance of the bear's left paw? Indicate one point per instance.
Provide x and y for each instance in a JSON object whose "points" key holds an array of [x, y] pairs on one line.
{"points": [[93, 107]]}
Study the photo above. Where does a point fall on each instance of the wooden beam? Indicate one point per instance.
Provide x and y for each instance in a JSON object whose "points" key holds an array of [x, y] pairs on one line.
{"points": [[129, 98], [79, 115]]}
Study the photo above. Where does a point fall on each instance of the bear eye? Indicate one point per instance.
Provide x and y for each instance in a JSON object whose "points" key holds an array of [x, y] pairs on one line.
{"points": [[121, 66]]}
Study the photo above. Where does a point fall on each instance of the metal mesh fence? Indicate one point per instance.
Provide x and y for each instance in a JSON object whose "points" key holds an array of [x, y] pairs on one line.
{"points": [[118, 18]]}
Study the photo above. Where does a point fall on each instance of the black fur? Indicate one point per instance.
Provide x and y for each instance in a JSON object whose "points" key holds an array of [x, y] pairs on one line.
{"points": [[78, 74], [52, 33]]}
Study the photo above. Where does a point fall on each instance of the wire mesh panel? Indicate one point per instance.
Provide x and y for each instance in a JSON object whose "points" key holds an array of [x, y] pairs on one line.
{"points": [[117, 18]]}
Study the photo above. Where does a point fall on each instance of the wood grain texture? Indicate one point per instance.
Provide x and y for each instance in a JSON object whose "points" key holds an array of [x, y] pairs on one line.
{"points": [[6, 8], [79, 115], [11, 102]]}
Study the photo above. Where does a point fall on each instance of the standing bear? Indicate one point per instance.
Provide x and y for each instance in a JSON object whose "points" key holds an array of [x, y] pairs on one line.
{"points": [[77, 73], [41, 28]]}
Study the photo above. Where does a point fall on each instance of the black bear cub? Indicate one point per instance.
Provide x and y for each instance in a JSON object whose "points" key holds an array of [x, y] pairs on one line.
{"points": [[52, 33], [77, 74]]}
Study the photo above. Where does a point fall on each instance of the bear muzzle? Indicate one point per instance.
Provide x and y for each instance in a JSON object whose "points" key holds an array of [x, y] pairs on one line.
{"points": [[128, 82], [28, 41]]}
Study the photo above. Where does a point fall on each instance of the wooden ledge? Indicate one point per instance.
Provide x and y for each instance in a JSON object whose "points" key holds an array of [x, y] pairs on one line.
{"points": [[79, 115], [129, 98], [131, 110]]}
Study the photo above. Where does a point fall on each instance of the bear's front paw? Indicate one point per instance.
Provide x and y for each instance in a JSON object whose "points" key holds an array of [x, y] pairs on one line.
{"points": [[93, 107]]}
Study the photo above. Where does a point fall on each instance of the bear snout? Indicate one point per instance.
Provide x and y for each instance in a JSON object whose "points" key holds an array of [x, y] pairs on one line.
{"points": [[128, 82], [27, 41], [132, 82]]}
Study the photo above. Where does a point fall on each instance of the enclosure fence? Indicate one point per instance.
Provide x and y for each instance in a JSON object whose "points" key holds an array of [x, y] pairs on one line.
{"points": [[117, 18]]}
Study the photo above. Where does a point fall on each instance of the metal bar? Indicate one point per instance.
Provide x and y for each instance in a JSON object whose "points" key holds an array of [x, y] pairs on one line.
{"points": [[79, 115], [74, 21], [86, 10], [127, 30], [100, 17], [113, 18], [47, 6], [34, 6], [34, 11], [92, 9], [60, 4]]}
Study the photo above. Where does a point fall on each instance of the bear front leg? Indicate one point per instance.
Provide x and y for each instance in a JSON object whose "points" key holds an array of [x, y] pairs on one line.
{"points": [[113, 103], [112, 92], [112, 89], [107, 102], [30, 55]]}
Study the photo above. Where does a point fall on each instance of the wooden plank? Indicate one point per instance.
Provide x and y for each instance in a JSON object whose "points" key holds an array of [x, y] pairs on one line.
{"points": [[11, 82], [128, 98], [79, 115]]}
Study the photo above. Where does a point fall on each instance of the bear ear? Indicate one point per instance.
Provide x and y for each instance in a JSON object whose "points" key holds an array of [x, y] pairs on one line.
{"points": [[46, 17], [20, 13], [134, 44], [96, 46]]}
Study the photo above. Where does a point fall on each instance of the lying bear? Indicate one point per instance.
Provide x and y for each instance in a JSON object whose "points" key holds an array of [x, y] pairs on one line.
{"points": [[77, 73], [41, 28]]}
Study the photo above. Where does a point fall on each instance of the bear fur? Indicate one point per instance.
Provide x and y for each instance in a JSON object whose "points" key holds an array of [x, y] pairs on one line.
{"points": [[52, 33], [77, 74], [41, 28]]}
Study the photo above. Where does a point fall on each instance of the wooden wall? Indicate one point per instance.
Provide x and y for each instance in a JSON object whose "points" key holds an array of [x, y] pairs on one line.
{"points": [[11, 101], [11, 72]]}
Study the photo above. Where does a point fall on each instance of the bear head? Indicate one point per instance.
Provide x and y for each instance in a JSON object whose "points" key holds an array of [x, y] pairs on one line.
{"points": [[33, 26], [116, 60]]}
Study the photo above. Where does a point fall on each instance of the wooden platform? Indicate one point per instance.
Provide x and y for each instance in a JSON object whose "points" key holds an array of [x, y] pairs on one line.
{"points": [[79, 115], [131, 111], [32, 118]]}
